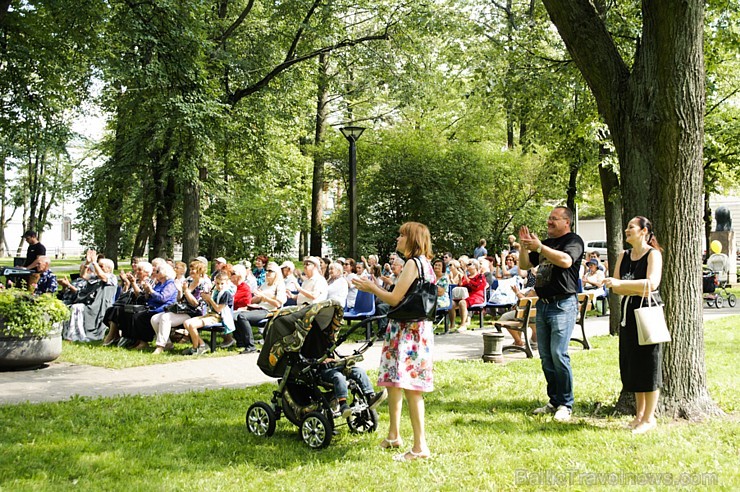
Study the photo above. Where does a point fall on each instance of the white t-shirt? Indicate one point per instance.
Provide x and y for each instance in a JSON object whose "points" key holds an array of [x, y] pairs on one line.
{"points": [[317, 286], [338, 290], [352, 294]]}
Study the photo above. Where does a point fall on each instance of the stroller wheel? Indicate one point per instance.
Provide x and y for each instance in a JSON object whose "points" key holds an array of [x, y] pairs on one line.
{"points": [[317, 430], [365, 421], [718, 301], [731, 300], [261, 419]]}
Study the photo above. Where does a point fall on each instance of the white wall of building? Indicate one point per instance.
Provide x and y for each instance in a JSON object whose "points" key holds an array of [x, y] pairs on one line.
{"points": [[592, 230], [60, 240]]}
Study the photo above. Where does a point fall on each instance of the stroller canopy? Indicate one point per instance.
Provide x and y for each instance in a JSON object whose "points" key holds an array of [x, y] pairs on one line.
{"points": [[288, 329]]}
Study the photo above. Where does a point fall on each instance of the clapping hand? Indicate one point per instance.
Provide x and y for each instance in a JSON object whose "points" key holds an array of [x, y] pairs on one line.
{"points": [[363, 284], [528, 239]]}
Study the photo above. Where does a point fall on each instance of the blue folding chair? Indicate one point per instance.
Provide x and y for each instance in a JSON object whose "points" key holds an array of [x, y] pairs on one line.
{"points": [[364, 308], [442, 314]]}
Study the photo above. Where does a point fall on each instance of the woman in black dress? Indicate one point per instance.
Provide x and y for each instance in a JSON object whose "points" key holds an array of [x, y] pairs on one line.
{"points": [[638, 270]]}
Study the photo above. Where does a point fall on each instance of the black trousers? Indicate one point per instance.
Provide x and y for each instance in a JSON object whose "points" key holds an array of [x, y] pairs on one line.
{"points": [[243, 326]]}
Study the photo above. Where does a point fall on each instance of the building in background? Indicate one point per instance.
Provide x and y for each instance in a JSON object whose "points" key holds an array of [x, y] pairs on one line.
{"points": [[61, 239]]}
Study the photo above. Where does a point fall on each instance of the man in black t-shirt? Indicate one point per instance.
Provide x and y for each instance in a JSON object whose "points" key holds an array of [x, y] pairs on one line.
{"points": [[559, 258], [35, 249]]}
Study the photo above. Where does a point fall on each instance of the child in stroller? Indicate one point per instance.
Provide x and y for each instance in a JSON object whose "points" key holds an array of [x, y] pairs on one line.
{"points": [[716, 274], [315, 382], [330, 373]]}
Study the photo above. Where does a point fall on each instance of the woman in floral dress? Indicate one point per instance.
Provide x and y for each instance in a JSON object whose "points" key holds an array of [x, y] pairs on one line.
{"points": [[406, 358]]}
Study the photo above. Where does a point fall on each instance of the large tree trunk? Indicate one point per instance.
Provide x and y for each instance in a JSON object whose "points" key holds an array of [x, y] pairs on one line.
{"points": [[191, 219], [655, 115], [614, 236], [146, 227], [2, 207], [317, 186], [572, 187], [707, 225], [164, 195], [113, 225]]}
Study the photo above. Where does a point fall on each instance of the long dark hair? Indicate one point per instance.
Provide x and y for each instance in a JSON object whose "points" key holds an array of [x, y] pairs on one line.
{"points": [[644, 223]]}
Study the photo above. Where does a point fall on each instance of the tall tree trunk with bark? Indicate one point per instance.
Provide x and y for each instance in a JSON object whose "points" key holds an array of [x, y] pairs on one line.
{"points": [[3, 249], [165, 196], [317, 185], [572, 186], [655, 114], [146, 227], [707, 225], [113, 223], [191, 218], [614, 236]]}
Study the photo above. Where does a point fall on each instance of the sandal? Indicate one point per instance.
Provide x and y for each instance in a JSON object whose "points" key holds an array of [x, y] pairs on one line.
{"points": [[410, 455], [391, 443]]}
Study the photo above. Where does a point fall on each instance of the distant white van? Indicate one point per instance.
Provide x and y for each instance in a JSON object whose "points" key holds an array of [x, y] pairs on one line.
{"points": [[599, 246]]}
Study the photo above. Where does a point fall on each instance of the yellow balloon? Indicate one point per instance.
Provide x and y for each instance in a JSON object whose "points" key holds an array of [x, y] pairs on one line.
{"points": [[716, 247]]}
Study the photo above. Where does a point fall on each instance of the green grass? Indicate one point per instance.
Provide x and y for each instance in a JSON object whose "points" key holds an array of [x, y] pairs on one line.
{"points": [[94, 354], [54, 262], [479, 431]]}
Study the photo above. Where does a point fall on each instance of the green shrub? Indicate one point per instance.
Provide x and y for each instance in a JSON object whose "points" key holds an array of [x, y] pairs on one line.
{"points": [[24, 314]]}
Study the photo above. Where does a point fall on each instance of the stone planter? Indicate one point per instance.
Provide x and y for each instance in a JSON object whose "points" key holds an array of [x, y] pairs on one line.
{"points": [[19, 352], [493, 344]]}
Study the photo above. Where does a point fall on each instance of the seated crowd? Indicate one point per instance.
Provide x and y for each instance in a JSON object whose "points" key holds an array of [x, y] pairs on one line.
{"points": [[166, 302]]}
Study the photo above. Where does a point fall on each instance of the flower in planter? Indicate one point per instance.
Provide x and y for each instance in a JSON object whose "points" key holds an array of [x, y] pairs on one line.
{"points": [[23, 314]]}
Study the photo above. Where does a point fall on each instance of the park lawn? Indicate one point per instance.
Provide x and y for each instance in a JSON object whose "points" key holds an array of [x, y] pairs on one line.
{"points": [[94, 354], [479, 431], [8, 261]]}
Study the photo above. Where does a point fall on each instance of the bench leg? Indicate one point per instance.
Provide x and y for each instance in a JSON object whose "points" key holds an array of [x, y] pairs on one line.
{"points": [[213, 340]]}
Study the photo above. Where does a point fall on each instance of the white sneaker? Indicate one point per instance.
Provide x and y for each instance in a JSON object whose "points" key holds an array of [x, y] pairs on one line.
{"points": [[543, 410], [562, 414]]}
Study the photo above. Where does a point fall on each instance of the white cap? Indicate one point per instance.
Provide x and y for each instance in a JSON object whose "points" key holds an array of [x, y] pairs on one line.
{"points": [[288, 264], [314, 260]]}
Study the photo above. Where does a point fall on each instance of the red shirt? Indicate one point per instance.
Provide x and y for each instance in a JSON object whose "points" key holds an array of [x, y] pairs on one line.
{"points": [[476, 287], [243, 295]]}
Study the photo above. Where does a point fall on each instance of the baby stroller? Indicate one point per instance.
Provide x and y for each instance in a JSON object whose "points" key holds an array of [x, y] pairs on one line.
{"points": [[297, 340], [711, 280]]}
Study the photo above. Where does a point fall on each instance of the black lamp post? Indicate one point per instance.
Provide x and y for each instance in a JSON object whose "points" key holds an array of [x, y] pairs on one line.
{"points": [[352, 134]]}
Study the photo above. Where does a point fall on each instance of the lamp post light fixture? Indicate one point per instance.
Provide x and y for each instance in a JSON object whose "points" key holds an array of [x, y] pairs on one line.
{"points": [[352, 134]]}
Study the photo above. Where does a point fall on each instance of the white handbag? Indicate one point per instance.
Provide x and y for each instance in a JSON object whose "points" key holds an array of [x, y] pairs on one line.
{"points": [[651, 325]]}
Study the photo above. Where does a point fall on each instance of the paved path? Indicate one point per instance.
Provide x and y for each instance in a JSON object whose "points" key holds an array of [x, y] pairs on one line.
{"points": [[61, 381]]}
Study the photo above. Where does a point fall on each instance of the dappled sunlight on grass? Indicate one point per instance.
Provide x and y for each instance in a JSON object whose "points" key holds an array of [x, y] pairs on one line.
{"points": [[478, 421]]}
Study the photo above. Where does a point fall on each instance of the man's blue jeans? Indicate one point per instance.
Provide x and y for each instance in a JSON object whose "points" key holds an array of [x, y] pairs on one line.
{"points": [[336, 377], [555, 323]]}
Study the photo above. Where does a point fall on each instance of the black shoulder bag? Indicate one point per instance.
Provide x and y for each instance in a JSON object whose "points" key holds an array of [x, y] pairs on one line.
{"points": [[420, 301]]}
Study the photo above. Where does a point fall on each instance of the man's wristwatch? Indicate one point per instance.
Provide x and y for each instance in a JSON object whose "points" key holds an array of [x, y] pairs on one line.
{"points": [[539, 248]]}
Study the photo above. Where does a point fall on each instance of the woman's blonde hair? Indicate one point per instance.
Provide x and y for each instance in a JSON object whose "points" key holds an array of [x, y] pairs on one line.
{"points": [[418, 239], [197, 266]]}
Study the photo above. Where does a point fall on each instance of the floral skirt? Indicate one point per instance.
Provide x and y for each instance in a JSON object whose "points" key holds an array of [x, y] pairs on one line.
{"points": [[406, 358]]}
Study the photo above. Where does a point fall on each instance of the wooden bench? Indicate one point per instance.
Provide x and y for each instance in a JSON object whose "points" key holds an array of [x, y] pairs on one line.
{"points": [[525, 314], [584, 302]]}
